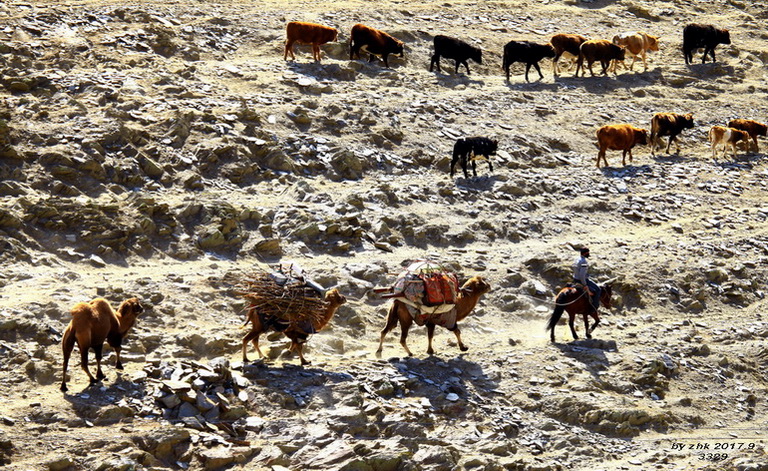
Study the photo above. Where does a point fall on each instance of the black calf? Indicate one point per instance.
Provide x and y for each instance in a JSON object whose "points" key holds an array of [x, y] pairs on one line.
{"points": [[452, 48], [696, 36], [527, 52], [464, 148]]}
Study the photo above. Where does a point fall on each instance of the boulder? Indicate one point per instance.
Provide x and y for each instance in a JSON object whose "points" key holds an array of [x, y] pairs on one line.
{"points": [[347, 165], [166, 443]]}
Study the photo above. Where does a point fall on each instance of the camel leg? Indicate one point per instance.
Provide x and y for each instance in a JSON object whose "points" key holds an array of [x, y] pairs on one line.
{"points": [[404, 326], [84, 340], [67, 344], [392, 319], [571, 320], [298, 347], [457, 332], [256, 346], [84, 364], [381, 343], [116, 342], [98, 354], [254, 337], [430, 334], [118, 363]]}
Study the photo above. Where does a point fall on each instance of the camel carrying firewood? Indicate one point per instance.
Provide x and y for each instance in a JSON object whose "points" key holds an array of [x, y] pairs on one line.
{"points": [[286, 303], [405, 311]]}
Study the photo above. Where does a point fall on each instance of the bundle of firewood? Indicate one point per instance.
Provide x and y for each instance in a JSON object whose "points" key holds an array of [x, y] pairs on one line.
{"points": [[293, 300]]}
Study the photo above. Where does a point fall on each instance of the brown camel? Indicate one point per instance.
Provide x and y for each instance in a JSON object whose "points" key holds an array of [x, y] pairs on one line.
{"points": [[469, 295], [91, 324], [298, 334]]}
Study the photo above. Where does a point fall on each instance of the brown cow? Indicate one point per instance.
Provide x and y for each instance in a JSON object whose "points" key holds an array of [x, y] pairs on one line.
{"points": [[636, 44], [565, 44], [669, 124], [307, 33], [599, 50], [621, 137], [374, 42], [728, 137], [753, 128]]}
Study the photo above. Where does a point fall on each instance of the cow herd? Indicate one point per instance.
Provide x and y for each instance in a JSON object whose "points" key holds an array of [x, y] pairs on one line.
{"points": [[378, 43], [624, 137], [585, 52]]}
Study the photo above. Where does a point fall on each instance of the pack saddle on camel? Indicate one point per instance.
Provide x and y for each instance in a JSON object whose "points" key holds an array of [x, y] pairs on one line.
{"points": [[427, 294]]}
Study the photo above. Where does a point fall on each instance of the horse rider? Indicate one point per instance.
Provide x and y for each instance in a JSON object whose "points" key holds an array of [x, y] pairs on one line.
{"points": [[580, 275]]}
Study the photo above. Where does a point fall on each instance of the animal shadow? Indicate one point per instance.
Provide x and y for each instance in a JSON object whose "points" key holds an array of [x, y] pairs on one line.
{"points": [[629, 170], [737, 164], [536, 85], [711, 71], [483, 183], [599, 84], [595, 5], [93, 398], [671, 158], [439, 376], [451, 80], [307, 382], [590, 352]]}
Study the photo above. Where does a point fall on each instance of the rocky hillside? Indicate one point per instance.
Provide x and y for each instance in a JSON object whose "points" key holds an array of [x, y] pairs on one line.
{"points": [[165, 151]]}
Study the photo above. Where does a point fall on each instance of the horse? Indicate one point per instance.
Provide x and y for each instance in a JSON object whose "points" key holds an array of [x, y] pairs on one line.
{"points": [[465, 148], [575, 300]]}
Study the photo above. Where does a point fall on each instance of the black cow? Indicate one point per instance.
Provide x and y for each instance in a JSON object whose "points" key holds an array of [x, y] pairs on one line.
{"points": [[528, 52], [464, 148], [696, 36], [669, 124], [456, 49]]}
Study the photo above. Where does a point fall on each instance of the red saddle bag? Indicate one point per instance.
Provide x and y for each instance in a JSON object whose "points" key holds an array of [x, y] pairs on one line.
{"points": [[440, 288]]}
